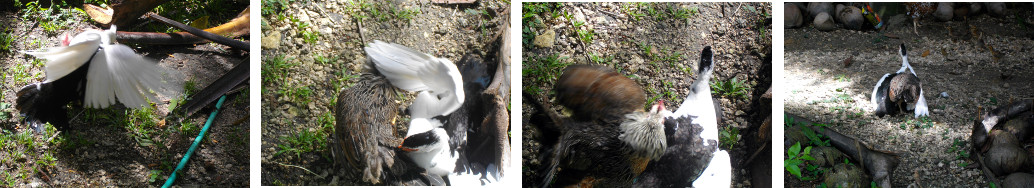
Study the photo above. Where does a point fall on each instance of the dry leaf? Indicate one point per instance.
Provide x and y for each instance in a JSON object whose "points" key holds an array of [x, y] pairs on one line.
{"points": [[926, 53]]}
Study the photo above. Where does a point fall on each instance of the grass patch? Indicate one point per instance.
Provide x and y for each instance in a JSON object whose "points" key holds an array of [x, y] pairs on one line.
{"points": [[957, 147], [142, 125], [381, 11], [275, 70], [543, 69], [728, 137], [531, 18], [732, 88], [6, 39], [297, 94], [274, 7], [302, 142]]}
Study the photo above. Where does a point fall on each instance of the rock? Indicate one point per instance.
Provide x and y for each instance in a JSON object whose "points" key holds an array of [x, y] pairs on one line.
{"points": [[1005, 155], [545, 40], [944, 11], [826, 156], [837, 10], [844, 175], [997, 9], [815, 8], [944, 94], [851, 17], [823, 22], [1018, 180], [792, 16], [271, 40]]}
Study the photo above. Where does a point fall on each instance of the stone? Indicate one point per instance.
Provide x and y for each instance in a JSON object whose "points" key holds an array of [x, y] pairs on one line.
{"points": [[792, 16], [271, 40], [851, 17], [944, 11], [823, 22], [545, 40]]}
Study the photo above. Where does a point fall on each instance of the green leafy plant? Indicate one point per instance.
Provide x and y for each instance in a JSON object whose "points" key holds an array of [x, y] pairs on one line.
{"points": [[302, 142], [795, 158], [732, 88], [728, 137]]}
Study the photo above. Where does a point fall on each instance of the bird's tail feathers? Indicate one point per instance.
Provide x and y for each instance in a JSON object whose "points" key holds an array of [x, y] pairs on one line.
{"points": [[920, 107], [121, 75], [37, 109]]}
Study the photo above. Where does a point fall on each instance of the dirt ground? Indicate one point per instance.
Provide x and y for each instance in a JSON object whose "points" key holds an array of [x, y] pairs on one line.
{"points": [[821, 88], [332, 62], [658, 47], [99, 150]]}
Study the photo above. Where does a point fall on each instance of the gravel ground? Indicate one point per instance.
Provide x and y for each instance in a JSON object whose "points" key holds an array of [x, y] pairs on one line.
{"points": [[738, 35], [443, 30], [98, 150], [821, 88]]}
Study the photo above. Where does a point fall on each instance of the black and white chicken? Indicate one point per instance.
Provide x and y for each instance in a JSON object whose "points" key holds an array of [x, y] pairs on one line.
{"points": [[899, 91], [92, 69]]}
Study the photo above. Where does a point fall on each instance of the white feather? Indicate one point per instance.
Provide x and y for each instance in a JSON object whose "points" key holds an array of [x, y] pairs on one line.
{"points": [[872, 100], [698, 103], [436, 158], [718, 172], [116, 73], [119, 72], [63, 60], [438, 80], [920, 106]]}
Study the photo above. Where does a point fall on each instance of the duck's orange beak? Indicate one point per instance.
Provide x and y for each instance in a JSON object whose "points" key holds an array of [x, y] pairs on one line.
{"points": [[405, 148]]}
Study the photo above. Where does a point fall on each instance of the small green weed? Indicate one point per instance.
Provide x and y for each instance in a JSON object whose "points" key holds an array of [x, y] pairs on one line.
{"points": [[795, 158], [303, 142], [728, 137], [275, 69], [733, 88]]}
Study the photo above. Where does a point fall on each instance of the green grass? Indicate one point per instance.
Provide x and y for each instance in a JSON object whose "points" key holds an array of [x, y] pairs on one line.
{"points": [[732, 88], [297, 94], [24, 153], [304, 141], [142, 125], [6, 39], [543, 69], [381, 11], [324, 60], [308, 35], [728, 137], [532, 19], [586, 35], [274, 7], [276, 69], [659, 11]]}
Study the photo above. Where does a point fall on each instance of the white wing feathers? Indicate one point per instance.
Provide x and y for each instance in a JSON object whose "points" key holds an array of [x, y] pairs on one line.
{"points": [[437, 79], [119, 72], [718, 172], [116, 73], [63, 60]]}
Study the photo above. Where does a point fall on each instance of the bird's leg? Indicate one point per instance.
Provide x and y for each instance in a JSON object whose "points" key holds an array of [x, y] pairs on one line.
{"points": [[915, 25]]}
